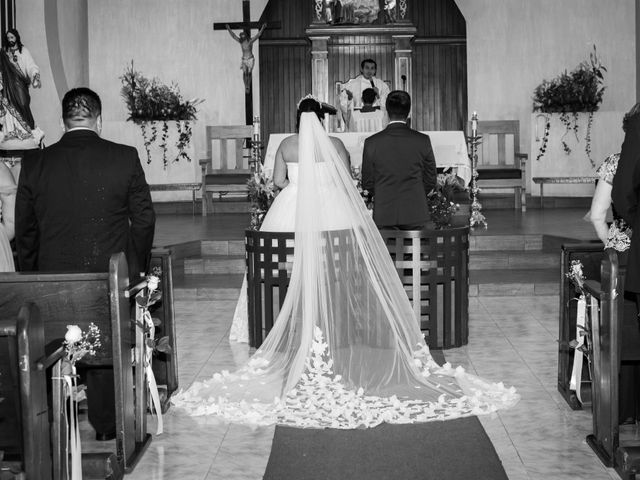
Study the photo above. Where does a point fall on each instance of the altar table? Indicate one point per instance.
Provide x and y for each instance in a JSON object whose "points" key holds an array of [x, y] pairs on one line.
{"points": [[449, 149]]}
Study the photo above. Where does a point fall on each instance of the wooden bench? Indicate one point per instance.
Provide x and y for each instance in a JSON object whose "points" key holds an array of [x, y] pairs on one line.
{"points": [[609, 333], [165, 365], [24, 415], [171, 187], [542, 180], [101, 298]]}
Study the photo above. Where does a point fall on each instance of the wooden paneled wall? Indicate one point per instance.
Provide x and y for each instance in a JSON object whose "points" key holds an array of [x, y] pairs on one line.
{"points": [[439, 86], [285, 77], [439, 63]]}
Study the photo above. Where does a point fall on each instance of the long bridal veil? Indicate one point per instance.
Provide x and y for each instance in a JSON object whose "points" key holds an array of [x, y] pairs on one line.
{"points": [[346, 350]]}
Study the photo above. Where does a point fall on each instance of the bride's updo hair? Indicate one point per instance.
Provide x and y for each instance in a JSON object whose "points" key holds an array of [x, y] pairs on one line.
{"points": [[309, 104]]}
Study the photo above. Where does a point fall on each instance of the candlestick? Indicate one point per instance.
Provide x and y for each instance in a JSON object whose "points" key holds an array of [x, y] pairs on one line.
{"points": [[256, 127], [474, 124]]}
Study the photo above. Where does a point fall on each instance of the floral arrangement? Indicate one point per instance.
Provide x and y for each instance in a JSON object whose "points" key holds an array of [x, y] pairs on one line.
{"points": [[262, 191], [156, 344], [583, 343], [367, 197], [77, 343], [580, 90], [440, 200], [151, 101]]}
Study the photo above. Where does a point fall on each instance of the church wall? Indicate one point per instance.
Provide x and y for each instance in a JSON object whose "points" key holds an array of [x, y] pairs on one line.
{"points": [[172, 39], [512, 45], [45, 102]]}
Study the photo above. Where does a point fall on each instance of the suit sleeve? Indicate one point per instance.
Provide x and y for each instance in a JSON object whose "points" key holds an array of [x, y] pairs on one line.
{"points": [[27, 234], [626, 181], [141, 215], [429, 172], [368, 180]]}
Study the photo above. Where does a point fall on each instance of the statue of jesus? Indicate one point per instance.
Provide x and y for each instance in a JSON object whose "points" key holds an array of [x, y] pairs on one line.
{"points": [[248, 60]]}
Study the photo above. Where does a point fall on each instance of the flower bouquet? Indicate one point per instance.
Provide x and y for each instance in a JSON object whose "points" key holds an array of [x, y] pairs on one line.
{"points": [[261, 194], [440, 200]]}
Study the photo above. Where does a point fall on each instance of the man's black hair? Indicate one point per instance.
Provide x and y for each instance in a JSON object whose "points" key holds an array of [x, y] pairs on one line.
{"points": [[398, 105], [368, 60], [369, 95], [81, 104]]}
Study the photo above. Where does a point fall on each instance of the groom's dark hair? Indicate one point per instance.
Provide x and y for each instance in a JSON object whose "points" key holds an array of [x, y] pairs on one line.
{"points": [[80, 104], [398, 105]]}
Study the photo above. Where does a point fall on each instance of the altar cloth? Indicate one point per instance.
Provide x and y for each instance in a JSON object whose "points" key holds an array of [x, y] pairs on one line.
{"points": [[449, 149]]}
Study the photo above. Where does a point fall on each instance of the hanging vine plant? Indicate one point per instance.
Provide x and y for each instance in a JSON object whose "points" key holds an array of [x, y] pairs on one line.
{"points": [[151, 101], [569, 93]]}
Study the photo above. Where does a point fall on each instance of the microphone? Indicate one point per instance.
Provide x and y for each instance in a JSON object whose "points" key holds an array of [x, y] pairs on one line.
{"points": [[404, 82]]}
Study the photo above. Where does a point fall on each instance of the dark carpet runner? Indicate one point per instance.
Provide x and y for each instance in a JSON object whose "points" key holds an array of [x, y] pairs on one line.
{"points": [[455, 449]]}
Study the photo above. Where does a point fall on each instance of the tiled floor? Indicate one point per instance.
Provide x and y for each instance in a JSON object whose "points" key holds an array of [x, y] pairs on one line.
{"points": [[513, 339]]}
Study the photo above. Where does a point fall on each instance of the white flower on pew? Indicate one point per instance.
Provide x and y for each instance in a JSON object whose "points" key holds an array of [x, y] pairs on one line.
{"points": [[74, 334], [152, 283], [77, 343]]}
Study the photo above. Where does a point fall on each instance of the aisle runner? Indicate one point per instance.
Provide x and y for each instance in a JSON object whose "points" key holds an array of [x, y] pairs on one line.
{"points": [[454, 449]]}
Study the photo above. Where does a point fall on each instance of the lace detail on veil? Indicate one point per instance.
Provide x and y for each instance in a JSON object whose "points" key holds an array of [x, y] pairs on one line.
{"points": [[346, 350]]}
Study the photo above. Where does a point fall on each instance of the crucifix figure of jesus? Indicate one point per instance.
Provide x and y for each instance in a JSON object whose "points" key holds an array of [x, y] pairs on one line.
{"points": [[246, 44], [248, 60]]}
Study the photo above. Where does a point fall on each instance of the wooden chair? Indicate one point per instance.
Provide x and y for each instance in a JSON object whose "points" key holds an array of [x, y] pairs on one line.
{"points": [[230, 175], [500, 163]]}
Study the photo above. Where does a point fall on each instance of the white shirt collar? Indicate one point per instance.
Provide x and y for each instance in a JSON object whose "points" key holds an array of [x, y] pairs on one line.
{"points": [[79, 128], [397, 121]]}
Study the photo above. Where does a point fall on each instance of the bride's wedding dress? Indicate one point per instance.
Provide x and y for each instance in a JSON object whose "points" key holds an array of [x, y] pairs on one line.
{"points": [[346, 350], [281, 218]]}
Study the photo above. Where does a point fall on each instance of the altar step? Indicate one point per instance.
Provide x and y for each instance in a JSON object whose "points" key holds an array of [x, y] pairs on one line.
{"points": [[213, 287]]}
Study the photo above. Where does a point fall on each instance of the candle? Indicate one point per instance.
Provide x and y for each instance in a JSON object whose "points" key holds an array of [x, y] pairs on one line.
{"points": [[474, 123], [256, 126]]}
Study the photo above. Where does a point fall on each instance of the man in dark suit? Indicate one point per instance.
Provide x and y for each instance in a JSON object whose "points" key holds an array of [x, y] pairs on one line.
{"points": [[399, 169], [78, 202], [625, 196], [626, 193]]}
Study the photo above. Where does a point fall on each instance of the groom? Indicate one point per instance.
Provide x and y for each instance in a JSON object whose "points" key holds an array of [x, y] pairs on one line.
{"points": [[399, 169]]}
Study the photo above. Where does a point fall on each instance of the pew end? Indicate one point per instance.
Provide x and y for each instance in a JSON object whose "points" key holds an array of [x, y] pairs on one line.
{"points": [[84, 298], [22, 342]]}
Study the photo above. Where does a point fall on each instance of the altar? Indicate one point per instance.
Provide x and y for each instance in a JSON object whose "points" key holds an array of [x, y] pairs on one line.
{"points": [[449, 150]]}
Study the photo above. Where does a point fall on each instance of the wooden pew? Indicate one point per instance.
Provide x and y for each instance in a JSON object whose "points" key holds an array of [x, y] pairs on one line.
{"points": [[101, 298], [607, 335], [590, 255], [24, 419], [165, 365]]}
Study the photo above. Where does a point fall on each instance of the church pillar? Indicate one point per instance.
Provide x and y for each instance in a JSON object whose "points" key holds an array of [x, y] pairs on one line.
{"points": [[402, 56], [320, 68]]}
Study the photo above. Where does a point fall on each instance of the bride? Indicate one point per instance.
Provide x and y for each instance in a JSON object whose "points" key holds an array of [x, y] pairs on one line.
{"points": [[346, 350], [282, 214], [7, 220]]}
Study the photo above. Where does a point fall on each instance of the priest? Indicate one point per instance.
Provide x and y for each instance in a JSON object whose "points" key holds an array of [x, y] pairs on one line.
{"points": [[351, 93]]}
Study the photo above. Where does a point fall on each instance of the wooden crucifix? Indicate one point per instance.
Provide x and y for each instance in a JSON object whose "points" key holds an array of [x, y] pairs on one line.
{"points": [[246, 43]]}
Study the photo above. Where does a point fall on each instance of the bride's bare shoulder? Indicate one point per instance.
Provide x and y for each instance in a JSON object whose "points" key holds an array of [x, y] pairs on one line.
{"points": [[289, 148]]}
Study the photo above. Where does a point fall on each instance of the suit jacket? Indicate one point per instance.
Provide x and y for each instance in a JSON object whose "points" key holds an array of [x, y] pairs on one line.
{"points": [[626, 196], [399, 168], [79, 201]]}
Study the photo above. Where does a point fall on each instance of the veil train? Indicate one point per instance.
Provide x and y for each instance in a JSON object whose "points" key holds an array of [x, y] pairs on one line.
{"points": [[346, 350]]}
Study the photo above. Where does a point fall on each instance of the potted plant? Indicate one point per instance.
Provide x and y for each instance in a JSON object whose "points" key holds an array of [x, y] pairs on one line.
{"points": [[580, 90], [150, 102]]}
